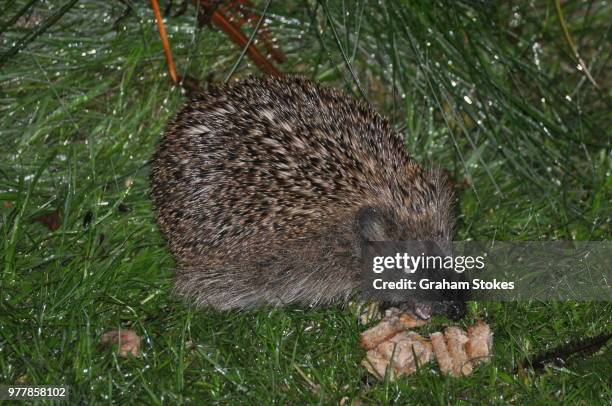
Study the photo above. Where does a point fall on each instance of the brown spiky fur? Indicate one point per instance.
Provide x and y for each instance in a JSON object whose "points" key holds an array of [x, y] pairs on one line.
{"points": [[265, 187]]}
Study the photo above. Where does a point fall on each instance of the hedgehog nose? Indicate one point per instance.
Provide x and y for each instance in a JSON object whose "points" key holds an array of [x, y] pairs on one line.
{"points": [[457, 310]]}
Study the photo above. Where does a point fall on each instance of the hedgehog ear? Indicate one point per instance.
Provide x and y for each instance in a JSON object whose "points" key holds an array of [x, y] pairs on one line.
{"points": [[371, 224]]}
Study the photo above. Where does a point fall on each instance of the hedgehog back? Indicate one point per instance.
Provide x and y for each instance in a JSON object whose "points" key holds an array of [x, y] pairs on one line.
{"points": [[260, 162]]}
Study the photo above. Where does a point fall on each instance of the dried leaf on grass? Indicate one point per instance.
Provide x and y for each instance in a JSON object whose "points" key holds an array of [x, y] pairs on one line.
{"points": [[52, 221], [127, 341]]}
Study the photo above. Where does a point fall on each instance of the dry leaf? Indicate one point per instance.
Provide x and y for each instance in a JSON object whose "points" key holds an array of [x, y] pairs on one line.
{"points": [[52, 221], [127, 341]]}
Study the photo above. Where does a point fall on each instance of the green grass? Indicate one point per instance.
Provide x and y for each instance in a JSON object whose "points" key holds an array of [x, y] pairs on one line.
{"points": [[81, 107]]}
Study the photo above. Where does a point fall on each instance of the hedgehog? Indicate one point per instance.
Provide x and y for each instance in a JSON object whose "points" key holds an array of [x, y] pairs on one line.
{"points": [[266, 190]]}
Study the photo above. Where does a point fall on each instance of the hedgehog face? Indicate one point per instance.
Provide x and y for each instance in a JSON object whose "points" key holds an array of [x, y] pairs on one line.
{"points": [[428, 229]]}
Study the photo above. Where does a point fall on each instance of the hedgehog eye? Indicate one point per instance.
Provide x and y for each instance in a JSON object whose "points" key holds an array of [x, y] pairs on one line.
{"points": [[371, 224]]}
